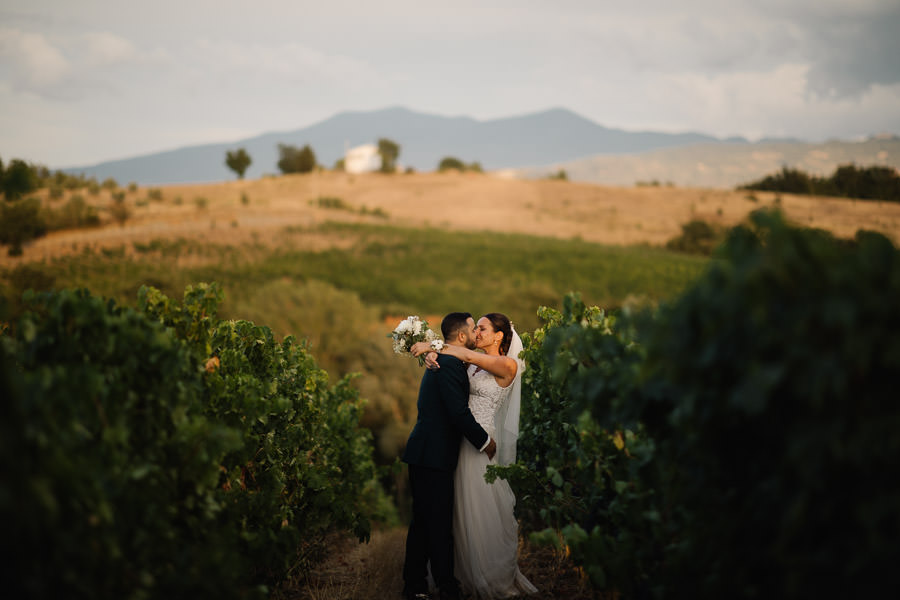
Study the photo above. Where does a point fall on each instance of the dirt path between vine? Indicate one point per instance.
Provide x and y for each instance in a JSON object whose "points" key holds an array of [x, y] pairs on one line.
{"points": [[363, 571]]}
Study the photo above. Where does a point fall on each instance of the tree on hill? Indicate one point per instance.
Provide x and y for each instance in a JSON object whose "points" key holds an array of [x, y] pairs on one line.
{"points": [[296, 160], [389, 151], [868, 183], [238, 161], [20, 222], [451, 162], [19, 178]]}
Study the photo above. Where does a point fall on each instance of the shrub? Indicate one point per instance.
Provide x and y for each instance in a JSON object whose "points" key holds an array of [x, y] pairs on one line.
{"points": [[767, 394], [73, 214], [23, 277], [574, 475], [872, 183], [791, 181], [20, 222], [19, 179], [294, 160], [332, 202], [160, 452], [72, 182], [452, 163], [449, 162], [118, 210], [697, 237]]}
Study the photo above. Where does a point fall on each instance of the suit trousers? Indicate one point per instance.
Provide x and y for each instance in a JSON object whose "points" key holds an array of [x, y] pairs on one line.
{"points": [[430, 535]]}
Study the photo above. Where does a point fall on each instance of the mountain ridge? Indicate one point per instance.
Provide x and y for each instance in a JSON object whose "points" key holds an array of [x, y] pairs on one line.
{"points": [[724, 165], [544, 137], [528, 145]]}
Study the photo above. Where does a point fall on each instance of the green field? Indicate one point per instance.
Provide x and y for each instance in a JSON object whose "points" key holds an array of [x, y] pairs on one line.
{"points": [[393, 270], [343, 299]]}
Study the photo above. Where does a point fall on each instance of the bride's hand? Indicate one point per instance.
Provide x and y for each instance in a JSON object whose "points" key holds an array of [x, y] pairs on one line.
{"points": [[420, 348], [431, 361]]}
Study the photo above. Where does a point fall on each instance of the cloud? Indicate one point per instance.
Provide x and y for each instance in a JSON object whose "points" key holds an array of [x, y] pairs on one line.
{"points": [[30, 60], [285, 62], [851, 54], [103, 49]]}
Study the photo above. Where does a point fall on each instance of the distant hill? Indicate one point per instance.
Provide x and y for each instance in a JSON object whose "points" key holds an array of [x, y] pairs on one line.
{"points": [[724, 165], [541, 138]]}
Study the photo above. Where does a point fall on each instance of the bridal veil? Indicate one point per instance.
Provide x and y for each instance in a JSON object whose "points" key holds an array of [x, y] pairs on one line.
{"points": [[506, 421]]}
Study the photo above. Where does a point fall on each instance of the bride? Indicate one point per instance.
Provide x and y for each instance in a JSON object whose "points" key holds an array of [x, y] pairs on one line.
{"points": [[485, 530]]}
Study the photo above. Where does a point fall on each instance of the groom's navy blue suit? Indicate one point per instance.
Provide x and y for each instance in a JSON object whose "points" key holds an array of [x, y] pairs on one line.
{"points": [[432, 452]]}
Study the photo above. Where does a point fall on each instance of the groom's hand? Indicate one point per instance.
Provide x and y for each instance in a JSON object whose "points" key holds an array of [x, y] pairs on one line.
{"points": [[491, 449]]}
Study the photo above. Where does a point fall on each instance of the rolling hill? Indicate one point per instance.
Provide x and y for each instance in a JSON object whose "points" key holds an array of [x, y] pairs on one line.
{"points": [[541, 138], [724, 165]]}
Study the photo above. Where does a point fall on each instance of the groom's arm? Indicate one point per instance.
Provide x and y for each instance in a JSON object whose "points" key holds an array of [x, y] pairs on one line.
{"points": [[454, 390]]}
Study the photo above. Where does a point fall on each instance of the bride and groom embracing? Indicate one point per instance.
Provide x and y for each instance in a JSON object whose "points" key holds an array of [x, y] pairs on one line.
{"points": [[468, 412]]}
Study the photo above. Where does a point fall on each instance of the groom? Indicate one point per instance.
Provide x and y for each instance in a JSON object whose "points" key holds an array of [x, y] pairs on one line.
{"points": [[431, 453]]}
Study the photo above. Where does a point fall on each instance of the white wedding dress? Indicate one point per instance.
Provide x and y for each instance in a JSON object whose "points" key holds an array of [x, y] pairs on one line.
{"points": [[485, 530]]}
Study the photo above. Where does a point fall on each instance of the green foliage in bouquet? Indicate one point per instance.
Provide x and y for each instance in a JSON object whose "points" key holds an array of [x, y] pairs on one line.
{"points": [[161, 452]]}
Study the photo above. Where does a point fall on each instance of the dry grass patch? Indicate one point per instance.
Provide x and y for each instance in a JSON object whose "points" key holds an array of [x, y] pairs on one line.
{"points": [[466, 202], [374, 570]]}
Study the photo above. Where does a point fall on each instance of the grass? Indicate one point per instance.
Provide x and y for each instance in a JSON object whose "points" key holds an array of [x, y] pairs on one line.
{"points": [[398, 270]]}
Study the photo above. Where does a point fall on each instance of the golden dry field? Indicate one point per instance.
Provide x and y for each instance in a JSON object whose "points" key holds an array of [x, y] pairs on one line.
{"points": [[259, 211]]}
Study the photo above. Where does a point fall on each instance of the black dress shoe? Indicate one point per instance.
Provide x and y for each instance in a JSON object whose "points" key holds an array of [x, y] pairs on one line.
{"points": [[416, 596]]}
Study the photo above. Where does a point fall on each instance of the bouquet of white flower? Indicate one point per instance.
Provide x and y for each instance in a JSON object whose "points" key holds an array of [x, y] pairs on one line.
{"points": [[411, 330]]}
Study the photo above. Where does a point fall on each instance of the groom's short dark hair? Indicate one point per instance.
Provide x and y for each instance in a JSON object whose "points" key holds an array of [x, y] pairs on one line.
{"points": [[453, 323]]}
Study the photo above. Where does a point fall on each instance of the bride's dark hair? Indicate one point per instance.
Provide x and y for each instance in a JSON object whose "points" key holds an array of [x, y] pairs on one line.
{"points": [[500, 322]]}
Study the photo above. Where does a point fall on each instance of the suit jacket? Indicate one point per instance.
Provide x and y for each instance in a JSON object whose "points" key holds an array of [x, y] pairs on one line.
{"points": [[444, 417]]}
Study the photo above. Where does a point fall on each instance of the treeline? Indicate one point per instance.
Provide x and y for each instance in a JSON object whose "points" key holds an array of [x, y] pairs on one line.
{"points": [[735, 443], [451, 163], [24, 217], [292, 159], [160, 452], [849, 181], [20, 178]]}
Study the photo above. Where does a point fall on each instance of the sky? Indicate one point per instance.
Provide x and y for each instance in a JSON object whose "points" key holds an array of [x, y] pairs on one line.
{"points": [[84, 81]]}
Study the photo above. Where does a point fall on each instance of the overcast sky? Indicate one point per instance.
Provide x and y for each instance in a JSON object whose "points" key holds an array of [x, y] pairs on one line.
{"points": [[83, 81]]}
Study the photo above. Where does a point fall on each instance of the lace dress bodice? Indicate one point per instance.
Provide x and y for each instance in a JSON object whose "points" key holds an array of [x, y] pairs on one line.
{"points": [[485, 397]]}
